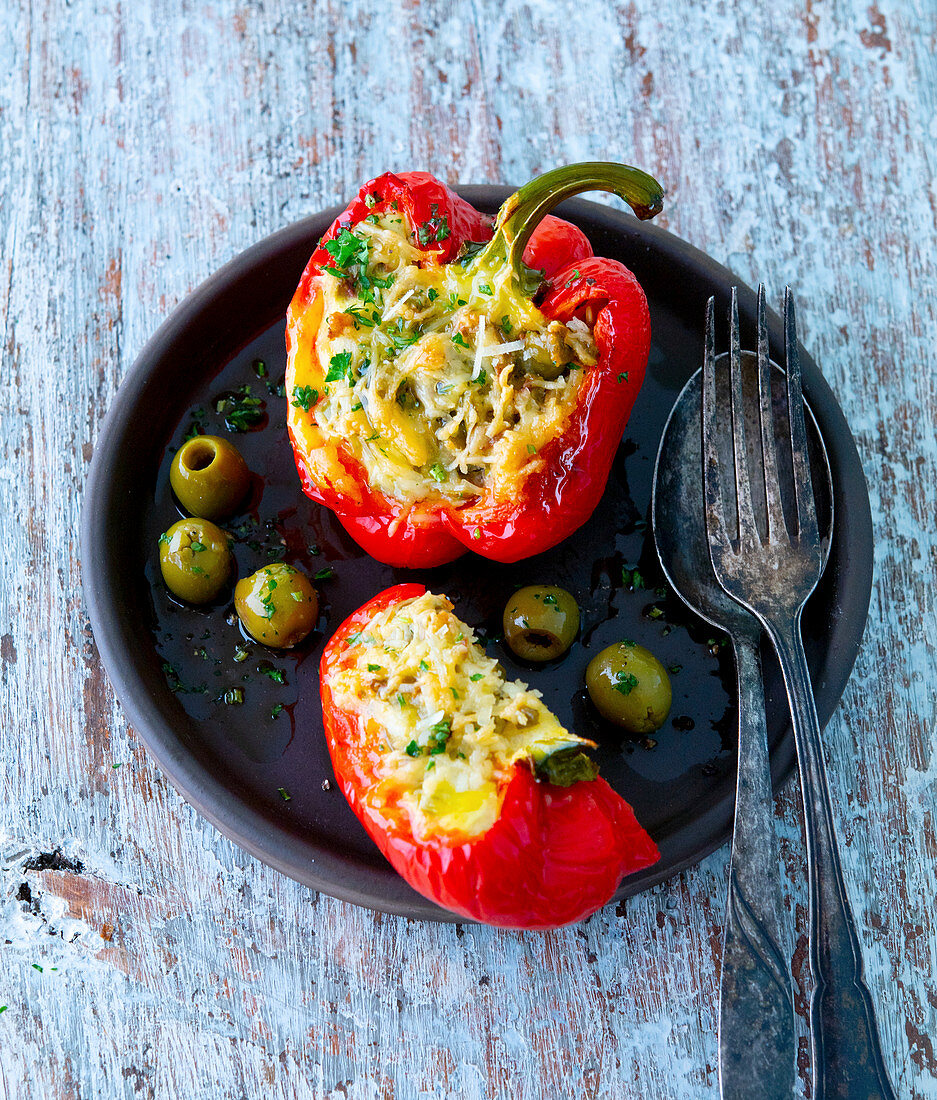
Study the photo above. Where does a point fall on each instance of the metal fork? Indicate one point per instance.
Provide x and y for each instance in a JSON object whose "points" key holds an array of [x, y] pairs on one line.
{"points": [[772, 571]]}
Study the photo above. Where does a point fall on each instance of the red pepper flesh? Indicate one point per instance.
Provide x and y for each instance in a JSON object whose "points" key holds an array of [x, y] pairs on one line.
{"points": [[554, 855], [573, 468]]}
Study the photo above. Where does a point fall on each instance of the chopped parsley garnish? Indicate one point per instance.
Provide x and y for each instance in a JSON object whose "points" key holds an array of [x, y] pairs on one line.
{"points": [[163, 539], [197, 547], [432, 294], [626, 682], [265, 668], [435, 229], [476, 676], [631, 578], [506, 324], [304, 397], [400, 335], [260, 368], [482, 377], [623, 377], [402, 700], [241, 410], [276, 710], [375, 668], [531, 449], [413, 749], [484, 288], [176, 684], [347, 249], [284, 794], [353, 639], [339, 367], [549, 598], [458, 338], [266, 597], [424, 666], [440, 734], [368, 318], [324, 574], [437, 473]]}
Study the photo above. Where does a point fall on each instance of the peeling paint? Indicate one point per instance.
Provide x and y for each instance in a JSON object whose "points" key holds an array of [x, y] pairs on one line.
{"points": [[143, 148]]}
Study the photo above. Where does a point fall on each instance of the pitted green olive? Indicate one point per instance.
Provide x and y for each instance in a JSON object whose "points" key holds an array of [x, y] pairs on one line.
{"points": [[277, 605], [540, 622], [195, 560], [209, 476], [629, 687]]}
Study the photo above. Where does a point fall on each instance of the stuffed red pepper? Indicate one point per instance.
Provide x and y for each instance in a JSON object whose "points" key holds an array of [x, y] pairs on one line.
{"points": [[455, 384], [467, 783]]}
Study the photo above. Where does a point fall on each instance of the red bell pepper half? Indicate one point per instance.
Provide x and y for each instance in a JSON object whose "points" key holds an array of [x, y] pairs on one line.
{"points": [[566, 477], [552, 854]]}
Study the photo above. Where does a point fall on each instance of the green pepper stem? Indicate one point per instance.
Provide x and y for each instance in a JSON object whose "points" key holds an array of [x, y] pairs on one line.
{"points": [[523, 211]]}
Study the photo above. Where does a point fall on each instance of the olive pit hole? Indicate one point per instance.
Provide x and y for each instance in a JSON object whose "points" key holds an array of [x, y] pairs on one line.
{"points": [[199, 457]]}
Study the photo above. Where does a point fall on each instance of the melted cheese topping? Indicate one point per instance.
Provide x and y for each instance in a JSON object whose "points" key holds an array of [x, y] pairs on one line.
{"points": [[447, 724], [443, 380]]}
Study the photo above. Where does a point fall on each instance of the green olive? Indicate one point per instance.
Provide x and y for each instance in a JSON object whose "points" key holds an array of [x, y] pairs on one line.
{"points": [[195, 560], [209, 476], [629, 687], [540, 622], [277, 605]]}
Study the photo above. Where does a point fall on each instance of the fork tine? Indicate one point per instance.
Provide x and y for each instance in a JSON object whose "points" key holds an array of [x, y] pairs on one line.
{"points": [[803, 485], [748, 531], [776, 525], [712, 477]]}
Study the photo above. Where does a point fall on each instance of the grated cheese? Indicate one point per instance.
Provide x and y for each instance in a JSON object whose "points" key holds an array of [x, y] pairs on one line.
{"points": [[450, 724], [439, 401]]}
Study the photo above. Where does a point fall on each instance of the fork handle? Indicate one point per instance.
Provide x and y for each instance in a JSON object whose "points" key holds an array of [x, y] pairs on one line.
{"points": [[847, 1055], [756, 1012]]}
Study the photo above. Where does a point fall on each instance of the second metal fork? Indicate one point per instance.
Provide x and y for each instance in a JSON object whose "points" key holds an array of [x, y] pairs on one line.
{"points": [[772, 570]]}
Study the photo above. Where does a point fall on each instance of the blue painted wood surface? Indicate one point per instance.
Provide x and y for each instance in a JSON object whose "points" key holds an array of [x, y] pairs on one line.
{"points": [[144, 144]]}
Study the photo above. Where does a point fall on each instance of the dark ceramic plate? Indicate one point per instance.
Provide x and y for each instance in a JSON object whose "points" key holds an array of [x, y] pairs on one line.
{"points": [[258, 770]]}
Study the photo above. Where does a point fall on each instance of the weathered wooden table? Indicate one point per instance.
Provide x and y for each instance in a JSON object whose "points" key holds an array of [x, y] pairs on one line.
{"points": [[141, 146]]}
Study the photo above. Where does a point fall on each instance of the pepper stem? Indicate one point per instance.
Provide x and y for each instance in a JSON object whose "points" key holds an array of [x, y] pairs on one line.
{"points": [[523, 211]]}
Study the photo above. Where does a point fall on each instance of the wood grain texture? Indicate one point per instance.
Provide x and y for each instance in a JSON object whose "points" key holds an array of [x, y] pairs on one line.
{"points": [[143, 145]]}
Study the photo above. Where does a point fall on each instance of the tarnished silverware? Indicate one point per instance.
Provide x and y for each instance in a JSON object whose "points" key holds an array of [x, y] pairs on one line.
{"points": [[756, 1026], [767, 554]]}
